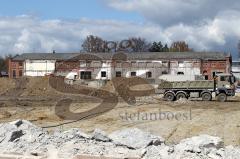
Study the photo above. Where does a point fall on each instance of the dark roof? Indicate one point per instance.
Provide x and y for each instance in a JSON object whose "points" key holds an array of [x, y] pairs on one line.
{"points": [[45, 56], [130, 56]]}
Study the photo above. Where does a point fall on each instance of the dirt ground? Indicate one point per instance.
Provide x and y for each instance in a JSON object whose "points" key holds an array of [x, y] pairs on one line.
{"points": [[34, 100]]}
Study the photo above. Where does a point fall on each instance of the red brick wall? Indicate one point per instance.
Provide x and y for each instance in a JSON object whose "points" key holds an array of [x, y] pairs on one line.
{"points": [[67, 65], [15, 69], [210, 66]]}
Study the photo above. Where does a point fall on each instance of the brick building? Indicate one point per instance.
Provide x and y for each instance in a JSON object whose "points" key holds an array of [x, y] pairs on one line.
{"points": [[15, 68], [106, 66], [211, 67]]}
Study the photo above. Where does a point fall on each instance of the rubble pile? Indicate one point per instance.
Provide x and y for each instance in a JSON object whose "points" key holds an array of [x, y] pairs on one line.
{"points": [[23, 137]]}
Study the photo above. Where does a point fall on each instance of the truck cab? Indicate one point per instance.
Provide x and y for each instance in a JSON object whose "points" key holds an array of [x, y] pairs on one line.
{"points": [[225, 85]]}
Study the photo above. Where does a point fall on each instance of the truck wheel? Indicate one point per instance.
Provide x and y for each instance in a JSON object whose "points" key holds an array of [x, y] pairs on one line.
{"points": [[222, 97], [206, 96], [181, 95], [169, 96]]}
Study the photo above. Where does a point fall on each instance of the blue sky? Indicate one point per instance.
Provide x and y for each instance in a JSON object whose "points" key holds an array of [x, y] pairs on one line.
{"points": [[64, 9], [62, 25]]}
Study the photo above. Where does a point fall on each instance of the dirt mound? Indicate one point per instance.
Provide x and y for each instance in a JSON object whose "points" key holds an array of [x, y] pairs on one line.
{"points": [[4, 114], [38, 86], [109, 87], [20, 85], [26, 86], [6, 84]]}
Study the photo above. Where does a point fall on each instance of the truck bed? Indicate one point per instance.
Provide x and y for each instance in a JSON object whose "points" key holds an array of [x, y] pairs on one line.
{"points": [[202, 84]]}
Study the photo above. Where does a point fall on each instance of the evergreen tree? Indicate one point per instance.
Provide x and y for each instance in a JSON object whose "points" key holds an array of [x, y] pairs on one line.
{"points": [[160, 46], [165, 48], [156, 47]]}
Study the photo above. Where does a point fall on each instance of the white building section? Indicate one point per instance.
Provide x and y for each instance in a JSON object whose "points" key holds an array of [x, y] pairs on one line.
{"points": [[186, 68], [39, 67], [236, 69], [100, 70], [107, 70]]}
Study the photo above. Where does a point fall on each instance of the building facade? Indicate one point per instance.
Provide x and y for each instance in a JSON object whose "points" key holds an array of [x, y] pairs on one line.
{"points": [[38, 67], [105, 66], [15, 68], [236, 69]]}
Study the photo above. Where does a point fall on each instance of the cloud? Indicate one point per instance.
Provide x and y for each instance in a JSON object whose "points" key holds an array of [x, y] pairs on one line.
{"points": [[31, 34], [169, 12]]}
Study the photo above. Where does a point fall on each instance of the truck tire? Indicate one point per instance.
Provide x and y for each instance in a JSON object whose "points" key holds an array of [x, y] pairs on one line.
{"points": [[169, 96], [206, 96], [181, 95], [222, 97]]}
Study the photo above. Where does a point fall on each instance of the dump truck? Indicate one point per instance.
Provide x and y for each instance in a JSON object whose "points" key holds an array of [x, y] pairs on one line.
{"points": [[221, 86]]}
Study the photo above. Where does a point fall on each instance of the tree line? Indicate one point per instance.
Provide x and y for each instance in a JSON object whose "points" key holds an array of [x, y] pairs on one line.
{"points": [[94, 44], [4, 62], [134, 44]]}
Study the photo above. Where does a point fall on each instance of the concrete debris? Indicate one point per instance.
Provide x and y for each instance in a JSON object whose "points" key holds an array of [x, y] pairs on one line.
{"points": [[230, 152], [158, 152], [135, 138], [198, 144], [16, 135], [202, 145], [22, 137], [100, 135]]}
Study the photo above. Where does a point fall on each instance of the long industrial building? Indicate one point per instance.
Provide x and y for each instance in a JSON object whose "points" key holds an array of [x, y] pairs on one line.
{"points": [[105, 66]]}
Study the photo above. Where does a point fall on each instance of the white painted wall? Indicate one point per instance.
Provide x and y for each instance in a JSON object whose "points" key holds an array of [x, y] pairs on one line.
{"points": [[96, 68], [72, 75], [141, 68], [236, 68], [186, 67], [39, 67], [236, 71]]}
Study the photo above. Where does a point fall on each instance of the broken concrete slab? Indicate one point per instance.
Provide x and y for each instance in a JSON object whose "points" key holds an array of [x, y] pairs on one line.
{"points": [[231, 152], [199, 143], [16, 135], [135, 138], [158, 152], [202, 146], [100, 135]]}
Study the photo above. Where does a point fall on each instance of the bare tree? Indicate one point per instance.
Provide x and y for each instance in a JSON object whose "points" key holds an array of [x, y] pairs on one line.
{"points": [[4, 62], [139, 44], [180, 46], [94, 44]]}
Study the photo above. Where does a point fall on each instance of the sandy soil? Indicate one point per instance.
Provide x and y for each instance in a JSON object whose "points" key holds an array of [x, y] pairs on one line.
{"points": [[171, 120], [6, 84]]}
